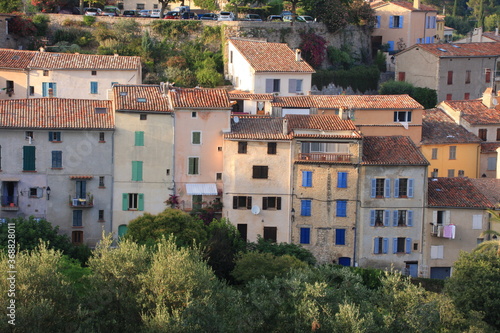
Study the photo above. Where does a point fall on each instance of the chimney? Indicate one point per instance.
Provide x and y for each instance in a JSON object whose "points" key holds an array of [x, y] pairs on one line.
{"points": [[42, 49], [487, 98], [416, 4], [298, 55], [116, 54], [285, 126], [496, 31]]}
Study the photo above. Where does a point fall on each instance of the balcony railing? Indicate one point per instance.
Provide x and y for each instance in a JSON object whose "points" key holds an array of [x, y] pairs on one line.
{"points": [[81, 202], [327, 157], [9, 202]]}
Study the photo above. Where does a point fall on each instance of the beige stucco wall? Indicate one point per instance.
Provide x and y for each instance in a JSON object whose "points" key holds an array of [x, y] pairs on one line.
{"points": [[157, 156], [20, 87], [467, 159], [238, 181], [420, 67]]}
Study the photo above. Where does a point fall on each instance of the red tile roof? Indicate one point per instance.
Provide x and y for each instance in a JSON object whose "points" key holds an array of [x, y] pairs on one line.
{"points": [[404, 4], [489, 147], [374, 102], [141, 97], [475, 112], [270, 57], [238, 94], [319, 122], [492, 35], [489, 187], [448, 50], [391, 150], [439, 128], [199, 98], [57, 113], [257, 128], [458, 192], [15, 58], [49, 60]]}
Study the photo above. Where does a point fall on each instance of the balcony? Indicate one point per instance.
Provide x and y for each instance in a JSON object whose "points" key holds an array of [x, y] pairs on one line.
{"points": [[9, 203], [81, 202], [325, 157]]}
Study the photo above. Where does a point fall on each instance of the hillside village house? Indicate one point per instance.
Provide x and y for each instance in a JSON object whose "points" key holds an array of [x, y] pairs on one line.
{"points": [[143, 153], [401, 24], [451, 149], [481, 117], [456, 218], [455, 71], [6, 37], [392, 201], [46, 145], [478, 36], [34, 74]]}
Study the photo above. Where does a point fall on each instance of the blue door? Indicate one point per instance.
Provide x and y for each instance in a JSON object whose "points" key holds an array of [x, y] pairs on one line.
{"points": [[412, 270], [440, 272], [345, 261]]}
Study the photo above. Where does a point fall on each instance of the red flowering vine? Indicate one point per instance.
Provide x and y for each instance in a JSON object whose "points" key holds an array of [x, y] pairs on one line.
{"points": [[313, 48]]}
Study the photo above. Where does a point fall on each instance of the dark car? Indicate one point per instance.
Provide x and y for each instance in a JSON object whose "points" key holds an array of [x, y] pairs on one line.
{"points": [[130, 13], [274, 18], [208, 16], [252, 17], [189, 16]]}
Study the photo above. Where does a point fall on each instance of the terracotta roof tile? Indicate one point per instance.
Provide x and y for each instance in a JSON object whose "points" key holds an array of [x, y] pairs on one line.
{"points": [[457, 192], [391, 150], [489, 147], [319, 122], [237, 94], [257, 128], [475, 112], [270, 57], [15, 58], [57, 113], [399, 102], [439, 128], [449, 50], [404, 4], [199, 98], [489, 187], [148, 98], [49, 60]]}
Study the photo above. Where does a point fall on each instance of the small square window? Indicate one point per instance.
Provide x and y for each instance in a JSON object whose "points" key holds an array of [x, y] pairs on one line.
{"points": [[32, 91], [218, 176], [101, 137], [33, 191], [45, 72], [271, 148], [29, 134], [194, 114], [219, 148], [143, 116], [242, 147], [94, 72], [260, 171]]}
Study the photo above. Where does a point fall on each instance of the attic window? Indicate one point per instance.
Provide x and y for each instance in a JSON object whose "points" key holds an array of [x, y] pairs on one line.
{"points": [[440, 49], [101, 110], [455, 46], [141, 100], [123, 93]]}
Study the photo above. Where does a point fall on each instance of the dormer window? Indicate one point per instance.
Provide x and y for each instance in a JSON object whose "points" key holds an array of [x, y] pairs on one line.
{"points": [[123, 93], [101, 110]]}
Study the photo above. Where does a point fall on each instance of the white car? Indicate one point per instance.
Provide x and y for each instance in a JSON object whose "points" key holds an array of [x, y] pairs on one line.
{"points": [[226, 16], [155, 13], [93, 12]]}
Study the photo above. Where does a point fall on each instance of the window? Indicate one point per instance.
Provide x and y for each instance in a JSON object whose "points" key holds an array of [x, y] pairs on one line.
{"points": [[9, 87], [194, 114], [93, 72], [55, 136], [29, 158], [35, 192], [437, 251], [378, 21], [193, 165], [434, 153], [240, 202], [142, 100], [143, 116], [231, 57], [56, 159], [487, 75], [305, 235], [294, 86], [461, 173], [101, 181], [218, 176], [196, 201], [101, 215], [77, 218], [342, 179], [242, 147], [45, 72], [307, 178], [402, 116], [139, 138], [450, 77], [270, 234], [451, 173], [140, 6], [133, 201], [271, 203], [137, 170], [401, 76], [242, 229], [260, 171], [466, 96], [379, 218], [403, 188], [93, 87], [196, 138], [477, 222], [402, 218], [380, 245], [81, 189], [380, 187], [396, 21], [271, 148], [77, 237], [49, 89], [402, 245], [341, 208], [483, 134], [449, 97], [32, 91], [492, 164], [219, 148], [102, 137], [453, 152], [339, 236], [498, 134], [272, 85], [391, 45], [324, 147], [467, 76], [305, 207]]}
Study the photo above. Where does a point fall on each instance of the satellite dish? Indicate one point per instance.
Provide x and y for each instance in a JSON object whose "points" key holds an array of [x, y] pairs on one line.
{"points": [[255, 210], [494, 101], [236, 119]]}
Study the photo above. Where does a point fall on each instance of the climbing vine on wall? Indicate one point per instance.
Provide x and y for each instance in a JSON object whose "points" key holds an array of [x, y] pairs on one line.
{"points": [[313, 48]]}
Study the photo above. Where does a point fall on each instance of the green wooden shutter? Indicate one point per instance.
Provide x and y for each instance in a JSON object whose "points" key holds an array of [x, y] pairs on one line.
{"points": [[141, 201], [137, 170], [29, 158], [139, 138], [125, 201]]}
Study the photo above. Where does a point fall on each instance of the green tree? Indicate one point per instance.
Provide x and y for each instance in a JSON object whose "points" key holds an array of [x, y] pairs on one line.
{"points": [[10, 6], [491, 22], [280, 249], [425, 96], [209, 5], [475, 285], [491, 246]]}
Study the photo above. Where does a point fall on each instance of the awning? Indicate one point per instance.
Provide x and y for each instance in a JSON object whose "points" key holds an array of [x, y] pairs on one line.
{"points": [[9, 180], [81, 177], [201, 189]]}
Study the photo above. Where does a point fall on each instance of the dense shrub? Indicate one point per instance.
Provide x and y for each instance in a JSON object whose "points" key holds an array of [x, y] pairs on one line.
{"points": [[425, 96], [73, 36], [360, 78]]}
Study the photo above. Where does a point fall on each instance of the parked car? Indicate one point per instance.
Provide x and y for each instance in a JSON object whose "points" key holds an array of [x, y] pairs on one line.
{"points": [[93, 11], [130, 13], [155, 13], [305, 18], [252, 17], [208, 16], [145, 13], [274, 18], [286, 13], [288, 18], [182, 9], [111, 11], [172, 15], [225, 16], [189, 16]]}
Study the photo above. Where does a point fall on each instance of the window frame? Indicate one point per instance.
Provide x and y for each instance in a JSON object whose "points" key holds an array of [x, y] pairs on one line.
{"points": [[305, 235], [242, 147], [434, 153], [242, 202], [305, 207], [260, 172], [193, 167], [94, 87], [452, 153], [341, 208], [307, 178], [406, 116], [57, 162], [193, 137], [271, 203], [272, 148]]}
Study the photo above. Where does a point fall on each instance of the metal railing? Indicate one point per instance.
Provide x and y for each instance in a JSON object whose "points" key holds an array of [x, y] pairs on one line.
{"points": [[327, 157]]}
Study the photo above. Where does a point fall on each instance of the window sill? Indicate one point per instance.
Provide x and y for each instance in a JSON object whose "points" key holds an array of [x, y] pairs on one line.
{"points": [[78, 226], [101, 220], [56, 168], [30, 171], [101, 141], [102, 187], [55, 141]]}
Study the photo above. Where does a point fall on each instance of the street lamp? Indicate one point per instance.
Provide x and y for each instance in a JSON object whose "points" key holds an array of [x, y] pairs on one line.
{"points": [[48, 192]]}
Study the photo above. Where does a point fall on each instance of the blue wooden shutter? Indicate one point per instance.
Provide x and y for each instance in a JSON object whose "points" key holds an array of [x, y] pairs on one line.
{"points": [[378, 21], [305, 208], [410, 187], [292, 85], [50, 136], [141, 201], [29, 158], [396, 188], [93, 87], [401, 21], [269, 85], [45, 89], [409, 221], [307, 178], [387, 188], [305, 235], [124, 201], [372, 217], [340, 236], [408, 245], [57, 159], [433, 26], [427, 40], [342, 179], [341, 208], [391, 21], [394, 245], [385, 245], [391, 45], [375, 245], [374, 188], [394, 218], [387, 216]]}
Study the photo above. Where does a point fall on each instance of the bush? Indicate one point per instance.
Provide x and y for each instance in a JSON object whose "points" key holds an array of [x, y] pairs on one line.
{"points": [[41, 23], [280, 249], [425, 96], [73, 36], [361, 78], [89, 20]]}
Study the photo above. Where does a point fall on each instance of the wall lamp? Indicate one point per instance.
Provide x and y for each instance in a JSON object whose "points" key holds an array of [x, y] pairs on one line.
{"points": [[48, 192]]}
